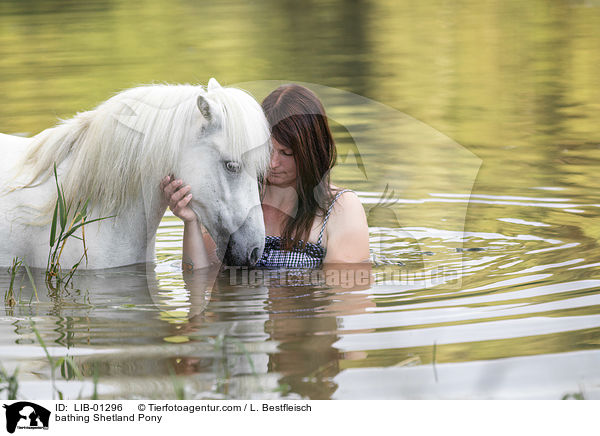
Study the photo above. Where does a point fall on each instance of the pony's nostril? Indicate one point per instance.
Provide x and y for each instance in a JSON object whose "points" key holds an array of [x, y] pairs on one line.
{"points": [[254, 256]]}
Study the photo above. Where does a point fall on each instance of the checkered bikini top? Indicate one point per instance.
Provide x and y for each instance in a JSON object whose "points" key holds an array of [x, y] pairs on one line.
{"points": [[310, 257]]}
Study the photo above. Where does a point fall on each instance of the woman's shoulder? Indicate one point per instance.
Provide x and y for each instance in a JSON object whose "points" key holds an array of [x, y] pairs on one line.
{"points": [[347, 206], [344, 196], [347, 230]]}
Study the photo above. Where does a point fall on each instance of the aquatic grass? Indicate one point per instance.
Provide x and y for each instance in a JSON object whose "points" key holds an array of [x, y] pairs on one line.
{"points": [[48, 356], [95, 378], [9, 295], [178, 386], [66, 229], [244, 351], [68, 368], [220, 344], [32, 283], [9, 383]]}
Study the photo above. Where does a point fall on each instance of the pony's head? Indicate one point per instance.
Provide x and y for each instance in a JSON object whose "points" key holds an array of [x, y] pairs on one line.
{"points": [[227, 151]]}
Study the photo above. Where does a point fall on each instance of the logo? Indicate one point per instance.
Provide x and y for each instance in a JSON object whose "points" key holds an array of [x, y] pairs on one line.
{"points": [[26, 415]]}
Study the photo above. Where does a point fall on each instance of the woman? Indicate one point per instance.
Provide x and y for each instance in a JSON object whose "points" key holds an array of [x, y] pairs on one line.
{"points": [[308, 221]]}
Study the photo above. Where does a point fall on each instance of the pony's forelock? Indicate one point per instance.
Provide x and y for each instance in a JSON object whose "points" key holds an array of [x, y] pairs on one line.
{"points": [[247, 132]]}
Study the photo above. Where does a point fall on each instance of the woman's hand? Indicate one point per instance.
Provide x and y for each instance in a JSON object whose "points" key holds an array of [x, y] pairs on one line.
{"points": [[178, 196]]}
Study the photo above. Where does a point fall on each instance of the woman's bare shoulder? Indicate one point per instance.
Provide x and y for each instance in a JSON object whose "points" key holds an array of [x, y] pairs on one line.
{"points": [[348, 197], [347, 209], [347, 230]]}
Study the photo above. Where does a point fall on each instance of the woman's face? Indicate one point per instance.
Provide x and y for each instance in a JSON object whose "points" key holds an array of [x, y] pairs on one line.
{"points": [[282, 171]]}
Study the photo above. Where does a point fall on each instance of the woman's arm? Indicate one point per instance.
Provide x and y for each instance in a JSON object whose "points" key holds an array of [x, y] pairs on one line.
{"points": [[347, 231], [196, 243], [198, 246]]}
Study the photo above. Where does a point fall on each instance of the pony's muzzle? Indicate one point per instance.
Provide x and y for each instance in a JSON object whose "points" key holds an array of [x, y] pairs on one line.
{"points": [[254, 256], [245, 246], [234, 257], [242, 252]]}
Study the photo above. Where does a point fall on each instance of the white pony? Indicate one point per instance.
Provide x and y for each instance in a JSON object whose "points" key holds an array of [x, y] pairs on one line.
{"points": [[216, 140]]}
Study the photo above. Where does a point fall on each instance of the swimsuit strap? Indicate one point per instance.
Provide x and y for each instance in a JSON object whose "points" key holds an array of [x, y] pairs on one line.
{"points": [[328, 212]]}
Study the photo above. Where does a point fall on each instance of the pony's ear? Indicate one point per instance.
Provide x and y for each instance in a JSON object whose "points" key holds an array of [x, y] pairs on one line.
{"points": [[213, 84], [204, 107]]}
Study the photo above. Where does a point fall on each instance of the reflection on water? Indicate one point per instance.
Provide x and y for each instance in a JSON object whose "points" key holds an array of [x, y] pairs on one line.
{"points": [[474, 151]]}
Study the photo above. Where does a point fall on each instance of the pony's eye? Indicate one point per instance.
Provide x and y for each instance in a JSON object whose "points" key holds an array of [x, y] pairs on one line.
{"points": [[232, 166]]}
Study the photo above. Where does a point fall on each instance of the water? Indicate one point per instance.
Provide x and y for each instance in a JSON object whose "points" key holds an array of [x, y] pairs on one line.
{"points": [[480, 118]]}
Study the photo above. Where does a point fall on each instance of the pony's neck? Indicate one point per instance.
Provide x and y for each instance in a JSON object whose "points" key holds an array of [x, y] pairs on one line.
{"points": [[134, 228], [154, 206], [150, 204]]}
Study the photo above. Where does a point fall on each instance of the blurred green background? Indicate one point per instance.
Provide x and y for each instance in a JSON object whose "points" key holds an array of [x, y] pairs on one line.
{"points": [[521, 76]]}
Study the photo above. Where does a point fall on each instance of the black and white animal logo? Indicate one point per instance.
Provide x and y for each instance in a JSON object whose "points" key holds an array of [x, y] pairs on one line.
{"points": [[24, 414]]}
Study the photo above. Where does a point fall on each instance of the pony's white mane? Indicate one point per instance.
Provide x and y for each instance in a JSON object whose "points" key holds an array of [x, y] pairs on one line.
{"points": [[135, 137]]}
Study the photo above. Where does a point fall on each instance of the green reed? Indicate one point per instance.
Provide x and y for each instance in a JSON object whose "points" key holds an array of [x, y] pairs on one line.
{"points": [[61, 229], [9, 383], [95, 379], [178, 385], [68, 368], [10, 294]]}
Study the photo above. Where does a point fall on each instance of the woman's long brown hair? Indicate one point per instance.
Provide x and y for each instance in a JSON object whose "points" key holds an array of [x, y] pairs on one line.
{"points": [[298, 121]]}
